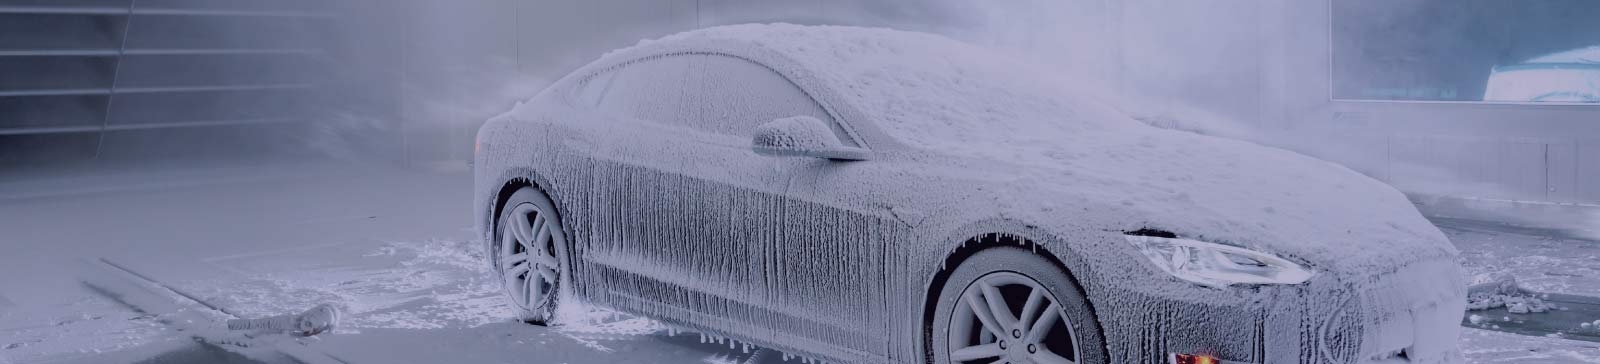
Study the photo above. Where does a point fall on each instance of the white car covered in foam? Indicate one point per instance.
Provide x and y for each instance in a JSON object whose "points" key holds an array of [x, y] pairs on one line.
{"points": [[875, 196]]}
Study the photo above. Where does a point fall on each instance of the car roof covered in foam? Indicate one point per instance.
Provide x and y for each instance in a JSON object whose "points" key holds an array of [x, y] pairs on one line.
{"points": [[923, 89]]}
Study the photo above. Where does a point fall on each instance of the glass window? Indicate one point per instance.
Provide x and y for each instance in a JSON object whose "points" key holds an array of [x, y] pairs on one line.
{"points": [[650, 89], [712, 93], [732, 96], [1467, 50], [589, 93]]}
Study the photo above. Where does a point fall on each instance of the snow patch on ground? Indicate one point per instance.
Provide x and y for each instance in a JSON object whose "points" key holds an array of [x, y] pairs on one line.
{"points": [[86, 327], [1505, 292], [1513, 303], [430, 284], [1484, 346], [590, 325], [1542, 260], [1509, 265]]}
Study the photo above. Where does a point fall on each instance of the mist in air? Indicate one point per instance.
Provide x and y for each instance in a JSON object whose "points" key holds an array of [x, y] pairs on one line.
{"points": [[251, 181]]}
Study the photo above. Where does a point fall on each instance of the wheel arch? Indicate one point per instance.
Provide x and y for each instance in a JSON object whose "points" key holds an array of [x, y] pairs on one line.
{"points": [[1008, 234], [512, 180], [496, 200]]}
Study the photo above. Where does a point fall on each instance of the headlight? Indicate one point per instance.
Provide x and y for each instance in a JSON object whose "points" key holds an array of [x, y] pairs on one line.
{"points": [[1217, 265]]}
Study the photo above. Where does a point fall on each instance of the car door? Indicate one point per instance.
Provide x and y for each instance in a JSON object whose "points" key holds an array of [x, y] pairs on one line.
{"points": [[825, 271], [846, 260], [681, 202]]}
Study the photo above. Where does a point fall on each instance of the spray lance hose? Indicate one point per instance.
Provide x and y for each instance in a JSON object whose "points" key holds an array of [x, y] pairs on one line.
{"points": [[315, 321]]}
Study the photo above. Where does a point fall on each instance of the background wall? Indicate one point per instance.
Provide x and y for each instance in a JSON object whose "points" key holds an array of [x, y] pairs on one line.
{"points": [[463, 61], [408, 81], [1496, 151], [108, 79]]}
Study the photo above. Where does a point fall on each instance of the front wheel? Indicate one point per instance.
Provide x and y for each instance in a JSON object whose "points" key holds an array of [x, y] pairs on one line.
{"points": [[1007, 305], [528, 252]]}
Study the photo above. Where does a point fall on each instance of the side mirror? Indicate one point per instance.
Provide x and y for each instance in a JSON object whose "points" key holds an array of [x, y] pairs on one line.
{"points": [[802, 136]]}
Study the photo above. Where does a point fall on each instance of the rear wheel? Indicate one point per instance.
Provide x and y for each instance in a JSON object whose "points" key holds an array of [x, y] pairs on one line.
{"points": [[528, 252], [1007, 305]]}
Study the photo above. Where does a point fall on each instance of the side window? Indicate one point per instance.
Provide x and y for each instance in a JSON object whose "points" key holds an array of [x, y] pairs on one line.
{"points": [[711, 93], [649, 89], [589, 93], [732, 96]]}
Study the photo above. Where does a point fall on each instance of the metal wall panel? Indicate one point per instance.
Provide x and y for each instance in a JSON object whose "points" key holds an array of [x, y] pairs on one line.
{"points": [[1561, 174], [1588, 171], [1521, 170], [78, 71]]}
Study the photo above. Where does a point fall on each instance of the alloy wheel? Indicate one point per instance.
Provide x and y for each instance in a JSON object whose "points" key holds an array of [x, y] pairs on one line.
{"points": [[528, 263], [1005, 317]]}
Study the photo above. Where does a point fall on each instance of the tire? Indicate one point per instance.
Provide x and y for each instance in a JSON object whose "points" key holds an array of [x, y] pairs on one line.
{"points": [[959, 335], [533, 283]]}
